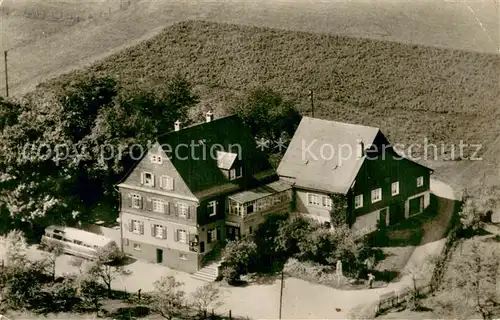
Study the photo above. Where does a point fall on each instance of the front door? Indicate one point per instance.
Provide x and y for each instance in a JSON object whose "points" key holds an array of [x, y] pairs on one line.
{"points": [[159, 255], [383, 218], [396, 213]]}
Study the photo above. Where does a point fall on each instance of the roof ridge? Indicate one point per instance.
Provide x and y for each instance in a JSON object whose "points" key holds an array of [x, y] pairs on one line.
{"points": [[161, 135], [341, 122]]}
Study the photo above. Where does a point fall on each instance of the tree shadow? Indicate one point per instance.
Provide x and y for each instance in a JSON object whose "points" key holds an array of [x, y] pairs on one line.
{"points": [[386, 275], [133, 312]]}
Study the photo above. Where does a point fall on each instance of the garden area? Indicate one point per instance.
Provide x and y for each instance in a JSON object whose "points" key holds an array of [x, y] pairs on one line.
{"points": [[304, 249], [31, 289]]}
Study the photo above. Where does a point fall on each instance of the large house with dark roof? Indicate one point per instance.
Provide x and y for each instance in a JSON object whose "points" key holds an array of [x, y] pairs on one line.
{"points": [[205, 183], [327, 159], [196, 187]]}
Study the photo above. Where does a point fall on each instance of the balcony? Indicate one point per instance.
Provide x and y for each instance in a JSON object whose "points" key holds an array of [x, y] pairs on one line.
{"points": [[263, 199]]}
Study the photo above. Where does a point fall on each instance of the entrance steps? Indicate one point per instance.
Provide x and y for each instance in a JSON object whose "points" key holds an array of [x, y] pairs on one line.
{"points": [[208, 273]]}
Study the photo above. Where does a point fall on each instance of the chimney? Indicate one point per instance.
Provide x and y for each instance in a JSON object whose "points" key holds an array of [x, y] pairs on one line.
{"points": [[209, 116], [360, 148], [177, 125]]}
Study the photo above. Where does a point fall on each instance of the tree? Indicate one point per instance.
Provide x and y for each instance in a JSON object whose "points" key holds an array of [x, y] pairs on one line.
{"points": [[269, 116], [207, 296], [15, 249], [168, 298], [470, 215], [53, 250], [108, 266], [92, 293], [417, 275], [473, 276], [66, 146], [238, 257]]}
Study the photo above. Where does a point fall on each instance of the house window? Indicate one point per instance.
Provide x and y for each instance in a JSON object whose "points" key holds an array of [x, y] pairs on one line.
{"points": [[327, 202], [211, 235], [358, 201], [137, 247], [376, 195], [235, 173], [420, 181], [183, 209], [395, 188], [156, 159], [212, 208], [159, 232], [182, 256], [148, 179], [167, 183], [313, 199], [182, 236], [158, 206], [136, 201], [136, 226]]}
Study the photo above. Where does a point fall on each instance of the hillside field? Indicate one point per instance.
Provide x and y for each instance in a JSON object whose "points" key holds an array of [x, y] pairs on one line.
{"points": [[411, 92]]}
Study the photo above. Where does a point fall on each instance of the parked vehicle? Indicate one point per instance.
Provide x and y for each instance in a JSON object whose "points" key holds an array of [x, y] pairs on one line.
{"points": [[77, 242]]}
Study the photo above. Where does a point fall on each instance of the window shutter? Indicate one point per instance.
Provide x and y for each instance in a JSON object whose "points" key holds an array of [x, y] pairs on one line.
{"points": [[164, 231], [149, 204], [142, 227], [176, 209], [130, 225], [176, 235], [129, 200], [140, 202], [218, 233], [165, 207], [171, 187], [126, 242], [153, 178], [142, 177], [161, 182], [188, 214], [152, 230], [209, 236]]}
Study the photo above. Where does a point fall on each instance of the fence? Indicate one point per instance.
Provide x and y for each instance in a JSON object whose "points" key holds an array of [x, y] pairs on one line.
{"points": [[394, 299]]}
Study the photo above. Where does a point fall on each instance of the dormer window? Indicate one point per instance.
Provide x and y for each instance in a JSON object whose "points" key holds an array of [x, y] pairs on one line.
{"points": [[235, 173], [148, 179], [156, 159]]}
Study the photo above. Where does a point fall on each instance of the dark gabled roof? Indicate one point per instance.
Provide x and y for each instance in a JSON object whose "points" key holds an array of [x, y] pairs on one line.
{"points": [[193, 152]]}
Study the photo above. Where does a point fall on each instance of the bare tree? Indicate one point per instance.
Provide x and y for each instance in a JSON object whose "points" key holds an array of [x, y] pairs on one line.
{"points": [[207, 296], [53, 250], [108, 266], [168, 299], [419, 275]]}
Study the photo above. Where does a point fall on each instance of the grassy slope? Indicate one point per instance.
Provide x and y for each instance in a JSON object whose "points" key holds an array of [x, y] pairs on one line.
{"points": [[439, 23], [411, 92]]}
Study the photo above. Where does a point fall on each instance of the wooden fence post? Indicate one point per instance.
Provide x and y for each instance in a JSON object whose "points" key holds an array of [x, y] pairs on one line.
{"points": [[230, 318], [204, 313]]}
